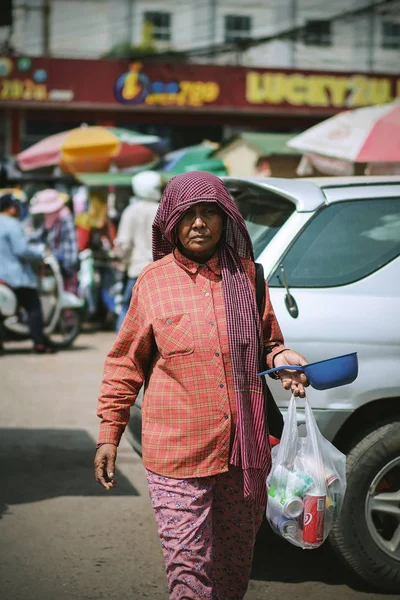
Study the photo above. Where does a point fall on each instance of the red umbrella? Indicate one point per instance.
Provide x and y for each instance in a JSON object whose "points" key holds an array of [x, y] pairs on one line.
{"points": [[364, 135], [133, 155], [90, 149]]}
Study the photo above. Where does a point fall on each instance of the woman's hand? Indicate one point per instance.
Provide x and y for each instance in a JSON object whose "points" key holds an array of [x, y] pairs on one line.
{"points": [[292, 380], [104, 465]]}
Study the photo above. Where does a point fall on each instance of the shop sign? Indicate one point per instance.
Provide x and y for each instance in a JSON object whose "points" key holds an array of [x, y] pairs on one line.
{"points": [[22, 81], [116, 85], [319, 90], [135, 87]]}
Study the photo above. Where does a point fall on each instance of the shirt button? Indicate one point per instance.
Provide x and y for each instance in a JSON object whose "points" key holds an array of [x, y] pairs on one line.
{"points": [[221, 385], [217, 354], [169, 322], [226, 416], [212, 323], [207, 294]]}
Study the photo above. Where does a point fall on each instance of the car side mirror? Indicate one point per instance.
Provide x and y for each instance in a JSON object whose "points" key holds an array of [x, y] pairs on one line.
{"points": [[290, 302]]}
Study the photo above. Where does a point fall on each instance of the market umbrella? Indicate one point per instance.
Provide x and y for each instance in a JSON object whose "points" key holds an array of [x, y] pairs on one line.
{"points": [[193, 158], [365, 135], [92, 149]]}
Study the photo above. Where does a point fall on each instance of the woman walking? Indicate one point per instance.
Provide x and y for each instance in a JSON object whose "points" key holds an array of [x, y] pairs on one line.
{"points": [[59, 233], [194, 337]]}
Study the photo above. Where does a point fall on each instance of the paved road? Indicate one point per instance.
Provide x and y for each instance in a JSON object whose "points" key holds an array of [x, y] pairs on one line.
{"points": [[63, 537]]}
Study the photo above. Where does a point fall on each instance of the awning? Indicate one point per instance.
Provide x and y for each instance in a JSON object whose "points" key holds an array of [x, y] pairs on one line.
{"points": [[105, 179]]}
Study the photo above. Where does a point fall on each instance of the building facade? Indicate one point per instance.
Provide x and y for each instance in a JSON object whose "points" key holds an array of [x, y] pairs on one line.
{"points": [[362, 35], [271, 65]]}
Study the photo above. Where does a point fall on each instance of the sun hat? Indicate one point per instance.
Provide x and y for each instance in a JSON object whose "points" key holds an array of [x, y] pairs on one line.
{"points": [[47, 201]]}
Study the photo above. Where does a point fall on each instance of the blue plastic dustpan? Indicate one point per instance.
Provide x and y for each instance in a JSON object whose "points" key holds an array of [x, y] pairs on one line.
{"points": [[326, 374]]}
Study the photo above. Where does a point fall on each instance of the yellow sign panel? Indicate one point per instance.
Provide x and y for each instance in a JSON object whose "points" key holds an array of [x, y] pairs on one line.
{"points": [[18, 89], [315, 90]]}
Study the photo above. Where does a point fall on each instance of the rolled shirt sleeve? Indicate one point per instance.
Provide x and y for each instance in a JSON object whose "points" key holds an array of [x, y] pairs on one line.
{"points": [[125, 371]]}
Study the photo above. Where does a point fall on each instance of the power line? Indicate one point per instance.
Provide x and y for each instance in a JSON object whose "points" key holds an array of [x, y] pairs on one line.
{"points": [[289, 33], [205, 49]]}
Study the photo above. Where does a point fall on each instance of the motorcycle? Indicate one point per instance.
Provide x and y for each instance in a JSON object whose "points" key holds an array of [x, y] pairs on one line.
{"points": [[101, 284], [61, 309]]}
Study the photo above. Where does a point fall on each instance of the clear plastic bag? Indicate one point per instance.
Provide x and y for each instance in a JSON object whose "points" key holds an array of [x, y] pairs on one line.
{"points": [[307, 483]]}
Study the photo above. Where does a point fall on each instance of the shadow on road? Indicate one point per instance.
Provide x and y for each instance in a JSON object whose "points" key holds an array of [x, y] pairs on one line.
{"points": [[278, 560], [14, 349], [17, 350], [77, 348], [37, 464]]}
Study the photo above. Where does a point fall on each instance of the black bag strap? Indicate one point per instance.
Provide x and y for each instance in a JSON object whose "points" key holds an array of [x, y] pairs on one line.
{"points": [[274, 415], [260, 287]]}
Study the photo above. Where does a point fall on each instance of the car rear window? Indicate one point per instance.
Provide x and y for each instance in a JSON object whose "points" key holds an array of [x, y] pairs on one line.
{"points": [[343, 243], [264, 212]]}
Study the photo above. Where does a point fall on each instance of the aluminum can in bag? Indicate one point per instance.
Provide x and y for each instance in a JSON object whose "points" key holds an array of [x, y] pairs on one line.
{"points": [[314, 519], [331, 478], [293, 507], [284, 525], [288, 528], [333, 487]]}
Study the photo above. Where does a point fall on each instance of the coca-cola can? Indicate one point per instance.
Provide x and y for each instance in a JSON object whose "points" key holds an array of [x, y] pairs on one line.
{"points": [[314, 518]]}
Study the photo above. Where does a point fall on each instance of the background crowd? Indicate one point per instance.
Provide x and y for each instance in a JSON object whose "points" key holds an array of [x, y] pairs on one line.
{"points": [[100, 248]]}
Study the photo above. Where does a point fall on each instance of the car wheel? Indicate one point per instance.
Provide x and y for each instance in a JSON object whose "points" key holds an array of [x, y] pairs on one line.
{"points": [[367, 534]]}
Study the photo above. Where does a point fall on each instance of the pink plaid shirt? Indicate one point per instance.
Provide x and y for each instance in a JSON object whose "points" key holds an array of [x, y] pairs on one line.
{"points": [[174, 340]]}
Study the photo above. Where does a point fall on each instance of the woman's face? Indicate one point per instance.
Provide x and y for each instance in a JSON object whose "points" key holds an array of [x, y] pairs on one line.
{"points": [[200, 230]]}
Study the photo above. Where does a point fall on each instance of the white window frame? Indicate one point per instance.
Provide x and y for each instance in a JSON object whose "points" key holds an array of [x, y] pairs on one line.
{"points": [[235, 34], [163, 32], [313, 38], [390, 41]]}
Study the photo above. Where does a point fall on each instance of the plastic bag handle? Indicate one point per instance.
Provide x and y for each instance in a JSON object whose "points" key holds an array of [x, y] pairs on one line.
{"points": [[282, 368]]}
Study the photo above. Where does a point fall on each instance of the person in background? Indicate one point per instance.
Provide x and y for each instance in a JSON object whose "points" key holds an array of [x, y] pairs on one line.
{"points": [[16, 260], [59, 233], [262, 167], [22, 198], [194, 336], [95, 230], [133, 242]]}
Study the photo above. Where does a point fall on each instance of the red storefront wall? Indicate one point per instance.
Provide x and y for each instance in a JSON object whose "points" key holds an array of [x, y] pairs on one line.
{"points": [[116, 92]]}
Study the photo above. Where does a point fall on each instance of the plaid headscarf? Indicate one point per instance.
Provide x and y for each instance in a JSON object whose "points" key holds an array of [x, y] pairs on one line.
{"points": [[250, 448]]}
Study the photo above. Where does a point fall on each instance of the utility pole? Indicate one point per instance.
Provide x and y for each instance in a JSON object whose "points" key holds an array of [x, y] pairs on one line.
{"points": [[46, 18], [213, 21], [129, 21], [293, 43], [371, 37]]}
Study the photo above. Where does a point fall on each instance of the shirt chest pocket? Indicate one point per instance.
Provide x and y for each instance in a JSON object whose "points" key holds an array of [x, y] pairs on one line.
{"points": [[174, 335]]}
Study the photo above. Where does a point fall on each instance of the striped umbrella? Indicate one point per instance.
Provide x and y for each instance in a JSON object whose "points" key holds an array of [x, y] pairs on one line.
{"points": [[365, 135], [90, 149]]}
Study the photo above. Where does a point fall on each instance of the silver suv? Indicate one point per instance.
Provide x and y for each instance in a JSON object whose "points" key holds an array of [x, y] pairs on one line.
{"points": [[330, 250]]}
